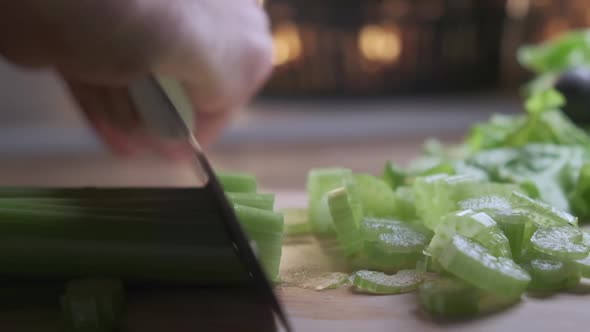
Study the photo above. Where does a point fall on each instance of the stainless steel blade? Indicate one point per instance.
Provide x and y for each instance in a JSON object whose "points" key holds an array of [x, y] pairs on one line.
{"points": [[166, 111]]}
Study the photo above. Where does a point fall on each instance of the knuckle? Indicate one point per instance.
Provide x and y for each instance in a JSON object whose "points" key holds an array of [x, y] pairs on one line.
{"points": [[258, 52]]}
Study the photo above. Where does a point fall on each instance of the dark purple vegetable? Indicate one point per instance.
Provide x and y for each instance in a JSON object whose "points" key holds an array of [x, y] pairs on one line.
{"points": [[574, 84]]}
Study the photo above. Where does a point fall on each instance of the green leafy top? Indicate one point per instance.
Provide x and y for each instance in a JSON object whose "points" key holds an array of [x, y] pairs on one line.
{"points": [[566, 51]]}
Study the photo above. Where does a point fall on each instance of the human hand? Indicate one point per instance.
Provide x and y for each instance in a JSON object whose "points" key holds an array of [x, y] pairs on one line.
{"points": [[219, 49]]}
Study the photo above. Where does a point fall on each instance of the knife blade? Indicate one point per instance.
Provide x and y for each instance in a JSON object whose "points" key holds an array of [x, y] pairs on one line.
{"points": [[167, 112]]}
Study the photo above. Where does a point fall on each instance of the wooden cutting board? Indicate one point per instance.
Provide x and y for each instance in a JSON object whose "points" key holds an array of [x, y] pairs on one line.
{"points": [[338, 310], [342, 310]]}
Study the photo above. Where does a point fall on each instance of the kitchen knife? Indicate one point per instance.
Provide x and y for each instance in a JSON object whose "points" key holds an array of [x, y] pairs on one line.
{"points": [[166, 111]]}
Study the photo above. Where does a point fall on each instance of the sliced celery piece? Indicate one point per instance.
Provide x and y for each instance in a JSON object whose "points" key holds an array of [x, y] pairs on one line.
{"points": [[512, 222], [376, 197], [296, 221], [237, 182], [405, 207], [427, 263], [563, 242], [391, 245], [376, 258], [492, 302], [265, 228], [484, 189], [432, 199], [448, 297], [437, 195], [355, 200], [475, 264], [486, 204], [319, 182], [259, 201], [542, 214], [380, 283], [94, 304], [394, 236], [476, 226], [345, 221], [551, 275], [514, 225]]}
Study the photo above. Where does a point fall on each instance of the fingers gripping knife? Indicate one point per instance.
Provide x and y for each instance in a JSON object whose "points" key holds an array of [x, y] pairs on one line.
{"points": [[166, 111]]}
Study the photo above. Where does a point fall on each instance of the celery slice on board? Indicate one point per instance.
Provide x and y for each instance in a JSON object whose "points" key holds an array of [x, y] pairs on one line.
{"points": [[563, 242], [492, 203], [552, 275], [542, 214], [512, 222], [448, 297], [427, 263], [475, 264], [380, 283], [377, 198], [433, 199], [405, 206], [391, 244], [345, 220], [514, 225], [393, 236], [476, 226], [437, 195], [376, 258], [296, 221], [319, 182]]}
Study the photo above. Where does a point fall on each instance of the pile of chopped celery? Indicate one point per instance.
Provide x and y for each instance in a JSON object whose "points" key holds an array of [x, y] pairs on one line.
{"points": [[472, 227]]}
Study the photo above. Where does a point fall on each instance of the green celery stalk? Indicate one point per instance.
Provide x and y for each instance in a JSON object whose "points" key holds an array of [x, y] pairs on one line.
{"points": [[265, 228], [237, 182], [259, 201]]}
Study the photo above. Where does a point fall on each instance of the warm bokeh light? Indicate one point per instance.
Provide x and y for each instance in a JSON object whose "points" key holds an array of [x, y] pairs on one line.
{"points": [[518, 8], [380, 43], [287, 45]]}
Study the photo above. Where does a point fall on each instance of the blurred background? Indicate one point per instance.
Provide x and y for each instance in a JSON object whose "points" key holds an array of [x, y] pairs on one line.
{"points": [[356, 82]]}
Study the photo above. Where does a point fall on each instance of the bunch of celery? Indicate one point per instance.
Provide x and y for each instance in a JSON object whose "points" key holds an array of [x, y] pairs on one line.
{"points": [[128, 236]]}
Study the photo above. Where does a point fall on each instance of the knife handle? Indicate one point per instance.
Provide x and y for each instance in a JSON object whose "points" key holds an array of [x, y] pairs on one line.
{"points": [[163, 107]]}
